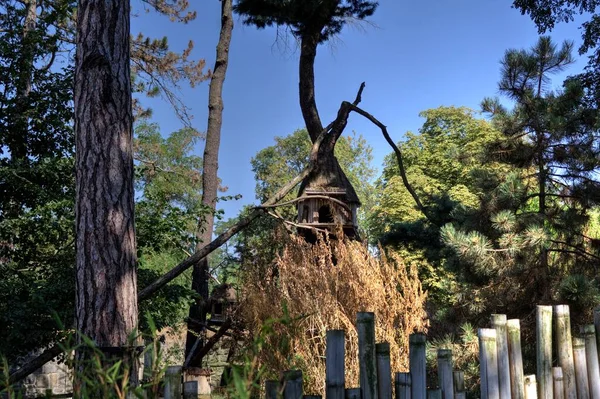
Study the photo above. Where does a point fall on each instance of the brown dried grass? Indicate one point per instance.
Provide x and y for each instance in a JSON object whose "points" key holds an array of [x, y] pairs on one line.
{"points": [[324, 285]]}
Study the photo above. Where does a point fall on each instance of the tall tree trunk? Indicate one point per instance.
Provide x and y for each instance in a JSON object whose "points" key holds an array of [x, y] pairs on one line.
{"points": [[210, 179], [308, 104], [544, 272], [106, 295], [19, 132]]}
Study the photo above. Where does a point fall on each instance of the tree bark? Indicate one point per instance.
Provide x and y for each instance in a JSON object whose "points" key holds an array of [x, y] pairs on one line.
{"points": [[210, 179], [106, 301], [308, 104]]}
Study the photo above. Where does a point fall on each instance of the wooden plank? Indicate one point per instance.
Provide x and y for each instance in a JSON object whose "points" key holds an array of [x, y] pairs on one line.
{"points": [[488, 360], [402, 386], [498, 322], [562, 321], [445, 377], [545, 386], [417, 366], [515, 358], [384, 370], [292, 384]]}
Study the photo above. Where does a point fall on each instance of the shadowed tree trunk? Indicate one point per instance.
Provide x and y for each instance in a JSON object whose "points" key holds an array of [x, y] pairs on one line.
{"points": [[210, 180], [106, 300]]}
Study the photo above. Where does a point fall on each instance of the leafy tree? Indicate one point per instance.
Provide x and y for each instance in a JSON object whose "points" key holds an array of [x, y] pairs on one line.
{"points": [[546, 14], [538, 215]]}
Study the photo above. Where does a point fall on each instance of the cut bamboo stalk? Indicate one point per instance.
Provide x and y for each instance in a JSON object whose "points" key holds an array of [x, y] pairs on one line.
{"points": [[292, 384], [545, 386], [488, 360], [591, 355], [417, 365], [173, 382], [335, 374], [352, 393], [530, 387], [446, 382], [515, 356], [384, 370], [365, 327], [499, 324], [459, 380], [402, 386], [434, 394], [562, 322], [581, 373], [272, 389], [559, 387]]}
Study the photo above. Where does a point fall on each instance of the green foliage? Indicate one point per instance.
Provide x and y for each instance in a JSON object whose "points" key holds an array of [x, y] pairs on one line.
{"points": [[305, 16]]}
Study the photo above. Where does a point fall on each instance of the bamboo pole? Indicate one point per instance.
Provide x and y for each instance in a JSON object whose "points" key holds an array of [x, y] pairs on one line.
{"points": [[417, 365], [591, 355], [515, 357], [459, 380], [292, 384], [434, 394], [559, 387], [272, 389], [488, 360], [352, 393], [581, 373], [543, 349], [564, 349], [173, 382], [384, 370], [444, 363], [365, 327], [530, 387], [402, 386], [335, 375], [498, 322]]}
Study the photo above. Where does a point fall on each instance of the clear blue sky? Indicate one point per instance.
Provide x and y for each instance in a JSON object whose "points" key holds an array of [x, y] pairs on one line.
{"points": [[413, 55]]}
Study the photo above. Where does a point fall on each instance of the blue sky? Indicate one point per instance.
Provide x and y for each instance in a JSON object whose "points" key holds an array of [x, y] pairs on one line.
{"points": [[413, 55]]}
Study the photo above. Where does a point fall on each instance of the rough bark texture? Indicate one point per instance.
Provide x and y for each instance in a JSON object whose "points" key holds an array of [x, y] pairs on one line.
{"points": [[210, 179], [106, 246], [308, 52]]}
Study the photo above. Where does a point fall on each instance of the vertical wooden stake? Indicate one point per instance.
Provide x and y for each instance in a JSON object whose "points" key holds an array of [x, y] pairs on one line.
{"points": [[365, 326], [402, 386], [530, 387], [292, 384], [498, 322], [384, 370], [564, 349], [591, 355], [173, 382], [417, 365], [559, 388], [581, 373], [190, 390], [352, 393], [544, 352], [434, 394], [597, 327], [445, 378], [488, 360], [459, 380], [515, 358], [335, 375]]}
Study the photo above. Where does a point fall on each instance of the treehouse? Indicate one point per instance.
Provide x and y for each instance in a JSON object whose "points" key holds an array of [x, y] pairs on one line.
{"points": [[327, 201], [222, 301]]}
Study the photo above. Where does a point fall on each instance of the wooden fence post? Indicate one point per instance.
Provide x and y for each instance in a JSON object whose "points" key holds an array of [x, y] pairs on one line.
{"points": [[272, 389], [190, 390], [434, 394], [488, 360], [365, 327], [458, 378], [384, 370], [543, 347], [499, 324], [591, 354], [417, 366], [581, 373], [565, 350], [559, 388], [335, 374], [292, 384], [530, 387], [173, 382], [445, 378], [402, 386], [515, 358]]}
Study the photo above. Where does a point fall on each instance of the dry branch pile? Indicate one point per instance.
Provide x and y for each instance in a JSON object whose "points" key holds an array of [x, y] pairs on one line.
{"points": [[324, 286]]}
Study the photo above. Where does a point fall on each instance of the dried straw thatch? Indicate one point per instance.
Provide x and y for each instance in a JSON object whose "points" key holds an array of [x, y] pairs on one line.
{"points": [[325, 285]]}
